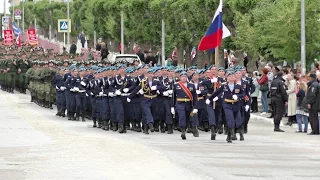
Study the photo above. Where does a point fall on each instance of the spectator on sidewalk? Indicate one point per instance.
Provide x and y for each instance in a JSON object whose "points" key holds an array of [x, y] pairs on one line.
{"points": [[73, 48], [255, 94], [292, 99], [313, 103], [302, 109], [264, 88]]}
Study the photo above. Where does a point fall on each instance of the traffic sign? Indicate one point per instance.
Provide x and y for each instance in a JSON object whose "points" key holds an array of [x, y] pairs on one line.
{"points": [[5, 20], [64, 25], [17, 14]]}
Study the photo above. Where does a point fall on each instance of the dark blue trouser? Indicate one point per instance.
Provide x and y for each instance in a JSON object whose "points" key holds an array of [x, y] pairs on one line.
{"points": [[67, 97], [72, 102], [95, 110], [61, 100], [135, 110], [211, 115], [183, 109], [112, 110], [167, 110], [119, 109], [232, 112], [104, 109], [80, 103], [149, 108]]}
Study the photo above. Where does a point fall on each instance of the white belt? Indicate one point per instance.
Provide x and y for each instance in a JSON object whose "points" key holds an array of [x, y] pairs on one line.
{"points": [[125, 94], [82, 91]]}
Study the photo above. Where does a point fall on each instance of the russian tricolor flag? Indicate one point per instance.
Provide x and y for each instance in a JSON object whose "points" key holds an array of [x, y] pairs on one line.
{"points": [[216, 32]]}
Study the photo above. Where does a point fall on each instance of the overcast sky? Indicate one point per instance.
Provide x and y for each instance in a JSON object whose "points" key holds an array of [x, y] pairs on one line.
{"points": [[1, 6]]}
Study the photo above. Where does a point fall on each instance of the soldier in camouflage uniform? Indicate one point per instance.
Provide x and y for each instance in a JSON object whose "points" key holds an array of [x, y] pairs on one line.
{"points": [[23, 65]]}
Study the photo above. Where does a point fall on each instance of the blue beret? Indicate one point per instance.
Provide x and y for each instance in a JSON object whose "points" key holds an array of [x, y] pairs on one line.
{"points": [[193, 68], [211, 66], [230, 73], [72, 67], [150, 70], [221, 69], [183, 73], [94, 67]]}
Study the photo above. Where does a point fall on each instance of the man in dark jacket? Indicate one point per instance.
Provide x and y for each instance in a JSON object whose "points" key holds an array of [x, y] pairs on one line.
{"points": [[141, 55], [313, 104], [73, 48], [279, 100]]}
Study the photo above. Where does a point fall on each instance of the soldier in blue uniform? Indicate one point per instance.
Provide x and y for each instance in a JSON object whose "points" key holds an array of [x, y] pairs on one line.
{"points": [[201, 92], [184, 101], [70, 85], [232, 93], [148, 87], [122, 84], [80, 89], [111, 95], [222, 126], [58, 83], [93, 91], [250, 88]]}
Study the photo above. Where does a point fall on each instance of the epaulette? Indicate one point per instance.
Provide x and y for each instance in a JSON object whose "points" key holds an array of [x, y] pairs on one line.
{"points": [[223, 83], [156, 79]]}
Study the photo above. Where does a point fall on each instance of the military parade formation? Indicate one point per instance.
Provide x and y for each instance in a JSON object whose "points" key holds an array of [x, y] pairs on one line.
{"points": [[128, 96]]}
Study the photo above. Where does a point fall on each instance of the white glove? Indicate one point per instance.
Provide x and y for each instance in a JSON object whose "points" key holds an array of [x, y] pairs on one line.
{"points": [[110, 94], [153, 88], [100, 93], [62, 88], [76, 89], [246, 108], [87, 95], [125, 90], [207, 101], [173, 111], [195, 111], [128, 100], [215, 99], [158, 92], [141, 91], [91, 94], [57, 88], [165, 93], [170, 91], [83, 83], [214, 80], [235, 97], [198, 91], [118, 92]]}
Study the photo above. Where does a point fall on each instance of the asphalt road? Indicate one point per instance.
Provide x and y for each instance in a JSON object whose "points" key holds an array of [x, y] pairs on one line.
{"points": [[35, 144]]}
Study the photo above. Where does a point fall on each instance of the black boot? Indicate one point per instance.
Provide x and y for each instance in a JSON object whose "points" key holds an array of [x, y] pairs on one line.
{"points": [[99, 123], [170, 130], [58, 113], [220, 129], [233, 135], [50, 105], [134, 126], [139, 127], [195, 131], [121, 128], [245, 129], [162, 127], [63, 113], [73, 116], [156, 126], [103, 125], [226, 130], [114, 126], [151, 127], [106, 126], [206, 126], [213, 133], [230, 132], [189, 129], [183, 133], [241, 132], [145, 129], [277, 128], [94, 123], [69, 115]]}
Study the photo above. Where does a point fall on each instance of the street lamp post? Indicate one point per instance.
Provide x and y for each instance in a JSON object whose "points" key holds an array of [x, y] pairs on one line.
{"points": [[50, 24], [303, 38], [68, 17]]}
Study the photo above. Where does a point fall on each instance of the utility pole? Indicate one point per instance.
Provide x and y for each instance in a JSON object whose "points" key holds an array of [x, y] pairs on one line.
{"points": [[68, 33], [23, 16], [35, 19], [303, 38], [163, 38], [122, 33]]}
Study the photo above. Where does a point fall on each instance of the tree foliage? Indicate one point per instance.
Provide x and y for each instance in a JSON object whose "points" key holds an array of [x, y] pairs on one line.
{"points": [[261, 27]]}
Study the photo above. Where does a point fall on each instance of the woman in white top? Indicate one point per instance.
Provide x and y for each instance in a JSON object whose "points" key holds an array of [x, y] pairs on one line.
{"points": [[292, 98]]}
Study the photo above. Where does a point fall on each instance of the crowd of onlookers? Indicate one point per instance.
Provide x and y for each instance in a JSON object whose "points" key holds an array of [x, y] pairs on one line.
{"points": [[302, 94]]}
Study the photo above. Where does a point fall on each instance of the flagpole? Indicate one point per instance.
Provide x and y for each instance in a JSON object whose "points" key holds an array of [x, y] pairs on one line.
{"points": [[216, 63]]}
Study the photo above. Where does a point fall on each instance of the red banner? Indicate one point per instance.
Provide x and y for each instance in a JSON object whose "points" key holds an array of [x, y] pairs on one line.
{"points": [[8, 37], [32, 37]]}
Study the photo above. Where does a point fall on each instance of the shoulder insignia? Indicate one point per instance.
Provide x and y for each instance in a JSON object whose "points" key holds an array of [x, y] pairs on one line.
{"points": [[223, 83]]}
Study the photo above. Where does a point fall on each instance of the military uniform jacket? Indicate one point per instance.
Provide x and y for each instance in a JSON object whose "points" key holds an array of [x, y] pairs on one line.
{"points": [[312, 95], [227, 93], [202, 96], [121, 83], [146, 88], [179, 92], [81, 83]]}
